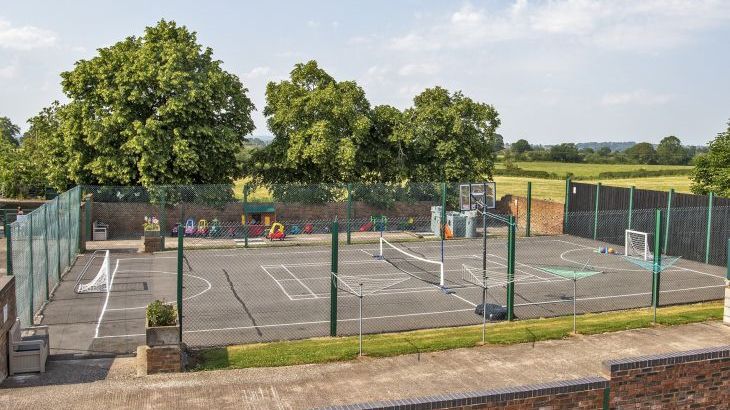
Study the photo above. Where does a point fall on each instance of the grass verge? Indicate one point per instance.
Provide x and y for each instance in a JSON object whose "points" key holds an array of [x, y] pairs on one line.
{"points": [[331, 349]]}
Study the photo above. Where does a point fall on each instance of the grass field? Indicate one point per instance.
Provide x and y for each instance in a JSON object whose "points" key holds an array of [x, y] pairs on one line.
{"points": [[588, 170], [321, 350]]}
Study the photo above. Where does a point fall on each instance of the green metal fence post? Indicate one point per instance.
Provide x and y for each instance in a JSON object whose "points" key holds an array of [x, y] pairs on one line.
{"points": [[656, 271], [89, 204], [667, 223], [567, 203], [163, 216], [349, 214], [45, 248], [8, 249], [180, 256], [595, 216], [708, 243], [631, 205], [333, 278], [30, 265], [70, 246], [58, 236], [511, 269], [245, 216], [529, 208]]}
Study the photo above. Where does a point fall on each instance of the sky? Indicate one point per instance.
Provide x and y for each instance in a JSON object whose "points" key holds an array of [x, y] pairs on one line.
{"points": [[556, 71]]}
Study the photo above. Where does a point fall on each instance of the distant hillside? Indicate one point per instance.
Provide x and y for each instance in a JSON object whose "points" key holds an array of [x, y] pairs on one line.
{"points": [[615, 146], [258, 141]]}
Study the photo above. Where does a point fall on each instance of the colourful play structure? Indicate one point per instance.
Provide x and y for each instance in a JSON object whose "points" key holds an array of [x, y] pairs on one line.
{"points": [[276, 232]]}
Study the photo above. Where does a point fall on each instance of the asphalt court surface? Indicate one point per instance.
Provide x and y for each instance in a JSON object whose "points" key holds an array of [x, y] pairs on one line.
{"points": [[264, 294]]}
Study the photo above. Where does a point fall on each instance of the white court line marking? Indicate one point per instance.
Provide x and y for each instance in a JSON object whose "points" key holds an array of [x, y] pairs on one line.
{"points": [[300, 282], [366, 252], [170, 273], [277, 282], [151, 258], [304, 323], [106, 301]]}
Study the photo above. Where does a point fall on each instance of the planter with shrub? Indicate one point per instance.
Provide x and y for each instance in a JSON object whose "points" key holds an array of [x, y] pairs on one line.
{"points": [[161, 326]]}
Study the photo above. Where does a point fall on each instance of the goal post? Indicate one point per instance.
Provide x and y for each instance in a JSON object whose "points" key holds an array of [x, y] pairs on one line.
{"points": [[101, 282], [636, 245]]}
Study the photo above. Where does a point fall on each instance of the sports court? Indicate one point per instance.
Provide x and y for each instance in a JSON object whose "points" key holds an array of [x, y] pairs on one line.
{"points": [[263, 294]]}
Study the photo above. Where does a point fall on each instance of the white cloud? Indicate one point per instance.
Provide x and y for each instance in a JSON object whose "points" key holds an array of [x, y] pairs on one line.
{"points": [[8, 72], [419, 69], [25, 37], [257, 72], [646, 25], [312, 24], [637, 97]]}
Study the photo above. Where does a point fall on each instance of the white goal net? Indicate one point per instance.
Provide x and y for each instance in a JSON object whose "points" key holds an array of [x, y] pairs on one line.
{"points": [[637, 245], [101, 282]]}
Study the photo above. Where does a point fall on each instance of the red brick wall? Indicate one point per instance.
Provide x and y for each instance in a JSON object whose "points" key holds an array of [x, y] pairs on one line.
{"points": [[696, 379], [546, 217]]}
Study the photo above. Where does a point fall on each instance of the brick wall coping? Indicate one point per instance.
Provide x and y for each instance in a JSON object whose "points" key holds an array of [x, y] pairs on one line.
{"points": [[451, 400], [720, 352]]}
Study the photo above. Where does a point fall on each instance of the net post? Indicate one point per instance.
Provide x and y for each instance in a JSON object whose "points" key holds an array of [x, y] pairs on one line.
{"points": [[349, 214], [443, 218], [631, 205], [245, 216], [45, 249], [529, 208], [180, 257], [595, 214], [657, 261], [333, 278], [8, 248], [511, 269], [30, 265], [163, 216], [567, 204], [708, 244], [670, 195]]}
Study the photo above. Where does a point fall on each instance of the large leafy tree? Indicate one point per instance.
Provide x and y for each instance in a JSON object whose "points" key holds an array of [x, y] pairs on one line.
{"points": [[565, 152], [155, 109], [8, 131], [712, 170], [671, 152], [642, 153], [321, 129], [447, 137], [42, 148], [520, 146]]}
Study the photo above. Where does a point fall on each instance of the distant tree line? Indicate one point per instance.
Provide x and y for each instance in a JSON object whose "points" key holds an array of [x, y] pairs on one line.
{"points": [[669, 151]]}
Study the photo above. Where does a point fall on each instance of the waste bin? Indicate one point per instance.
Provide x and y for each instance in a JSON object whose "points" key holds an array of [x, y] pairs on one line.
{"points": [[472, 218], [457, 223]]}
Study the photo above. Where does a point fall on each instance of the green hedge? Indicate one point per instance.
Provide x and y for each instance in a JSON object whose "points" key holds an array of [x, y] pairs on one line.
{"points": [[640, 173]]}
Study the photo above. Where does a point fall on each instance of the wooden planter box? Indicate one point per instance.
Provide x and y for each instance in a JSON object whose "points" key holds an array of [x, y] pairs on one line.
{"points": [[152, 241]]}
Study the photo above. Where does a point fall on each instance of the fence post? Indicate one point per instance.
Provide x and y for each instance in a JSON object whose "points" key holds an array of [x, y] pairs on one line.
{"points": [[656, 286], [349, 214], [89, 204], [442, 228], [180, 256], [529, 208], [511, 269], [631, 205], [567, 204], [709, 227], [666, 224], [30, 265], [163, 217], [45, 247], [245, 216], [595, 217], [70, 247], [333, 278], [728, 259], [8, 249], [58, 235]]}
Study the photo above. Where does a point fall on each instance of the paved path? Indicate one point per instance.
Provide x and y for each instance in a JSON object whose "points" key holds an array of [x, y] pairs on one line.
{"points": [[107, 383]]}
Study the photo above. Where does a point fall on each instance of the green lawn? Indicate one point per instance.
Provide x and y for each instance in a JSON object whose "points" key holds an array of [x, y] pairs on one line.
{"points": [[321, 350], [588, 170]]}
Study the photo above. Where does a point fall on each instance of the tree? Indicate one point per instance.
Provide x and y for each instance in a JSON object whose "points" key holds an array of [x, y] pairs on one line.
{"points": [[712, 170], [8, 131], [520, 147], [498, 142], [671, 152], [447, 137], [604, 151], [319, 127], [156, 109], [565, 152], [642, 153]]}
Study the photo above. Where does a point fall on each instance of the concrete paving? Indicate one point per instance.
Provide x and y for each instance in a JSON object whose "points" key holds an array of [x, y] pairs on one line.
{"points": [[111, 383]]}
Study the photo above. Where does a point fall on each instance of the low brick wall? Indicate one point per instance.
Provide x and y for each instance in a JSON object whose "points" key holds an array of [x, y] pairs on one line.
{"points": [[159, 359], [696, 379], [7, 298], [546, 217]]}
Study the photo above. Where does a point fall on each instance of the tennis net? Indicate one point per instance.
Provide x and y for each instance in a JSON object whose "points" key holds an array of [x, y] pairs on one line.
{"points": [[427, 270]]}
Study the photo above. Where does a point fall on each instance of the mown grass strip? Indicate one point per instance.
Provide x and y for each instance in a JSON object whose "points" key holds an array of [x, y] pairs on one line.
{"points": [[322, 350]]}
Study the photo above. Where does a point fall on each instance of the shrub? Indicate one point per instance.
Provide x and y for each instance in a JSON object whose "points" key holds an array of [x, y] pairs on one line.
{"points": [[160, 313]]}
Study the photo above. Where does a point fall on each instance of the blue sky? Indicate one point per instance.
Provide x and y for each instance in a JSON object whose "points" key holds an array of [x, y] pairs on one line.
{"points": [[555, 70]]}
